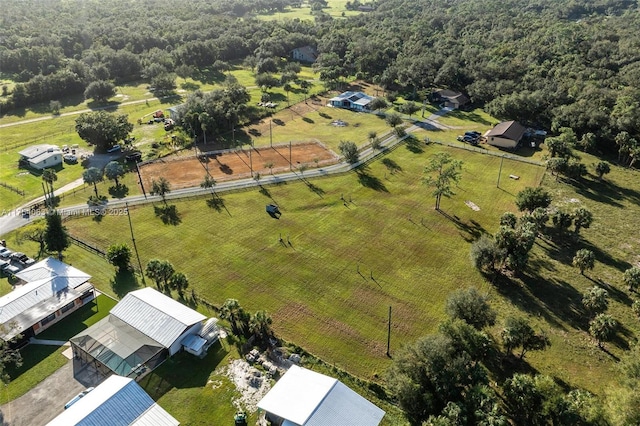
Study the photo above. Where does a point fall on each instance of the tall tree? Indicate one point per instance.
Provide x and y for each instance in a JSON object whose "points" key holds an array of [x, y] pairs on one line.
{"points": [[237, 317], [631, 277], [103, 129], [56, 237], [582, 218], [471, 307], [119, 255], [9, 356], [179, 282], [447, 172], [393, 120], [49, 176], [602, 168], [160, 271], [113, 171], [584, 260], [160, 187], [92, 176], [595, 300], [349, 151], [603, 327], [100, 90], [35, 231], [518, 333], [531, 198], [260, 326]]}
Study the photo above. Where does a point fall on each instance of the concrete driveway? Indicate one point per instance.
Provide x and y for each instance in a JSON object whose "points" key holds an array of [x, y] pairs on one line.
{"points": [[45, 401]]}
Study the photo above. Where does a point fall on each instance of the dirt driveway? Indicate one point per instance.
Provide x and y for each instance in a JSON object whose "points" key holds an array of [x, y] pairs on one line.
{"points": [[45, 401]]}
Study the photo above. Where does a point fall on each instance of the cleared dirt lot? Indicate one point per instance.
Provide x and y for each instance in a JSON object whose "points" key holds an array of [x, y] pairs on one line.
{"points": [[187, 170]]}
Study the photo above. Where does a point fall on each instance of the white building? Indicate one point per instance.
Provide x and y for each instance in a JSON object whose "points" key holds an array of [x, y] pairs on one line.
{"points": [[41, 156], [305, 398], [52, 290], [118, 401], [506, 134], [356, 101], [141, 331]]}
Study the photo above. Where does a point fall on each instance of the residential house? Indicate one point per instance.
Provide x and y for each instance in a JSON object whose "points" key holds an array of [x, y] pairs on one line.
{"points": [[41, 156], [118, 401], [306, 54], [450, 98], [305, 398], [140, 332], [356, 101], [507, 134], [49, 291]]}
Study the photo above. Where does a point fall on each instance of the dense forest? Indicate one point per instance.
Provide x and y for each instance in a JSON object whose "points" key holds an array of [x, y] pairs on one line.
{"points": [[546, 63]]}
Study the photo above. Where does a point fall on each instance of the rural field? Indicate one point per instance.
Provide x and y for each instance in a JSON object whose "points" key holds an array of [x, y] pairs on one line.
{"points": [[379, 221]]}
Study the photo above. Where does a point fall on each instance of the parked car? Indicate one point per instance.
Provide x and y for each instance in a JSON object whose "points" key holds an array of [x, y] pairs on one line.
{"points": [[5, 252], [21, 257], [473, 133], [70, 158], [134, 156], [10, 269], [115, 148]]}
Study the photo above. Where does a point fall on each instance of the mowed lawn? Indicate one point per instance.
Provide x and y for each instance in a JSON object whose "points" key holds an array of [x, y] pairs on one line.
{"points": [[378, 222]]}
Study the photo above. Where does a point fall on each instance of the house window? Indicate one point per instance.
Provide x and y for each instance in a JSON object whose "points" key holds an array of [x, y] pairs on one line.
{"points": [[67, 307], [48, 319]]}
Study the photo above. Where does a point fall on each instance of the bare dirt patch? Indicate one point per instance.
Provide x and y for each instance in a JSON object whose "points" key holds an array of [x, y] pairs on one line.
{"points": [[187, 171]]}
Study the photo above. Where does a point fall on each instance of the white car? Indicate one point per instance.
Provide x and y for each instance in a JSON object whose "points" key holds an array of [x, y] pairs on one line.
{"points": [[114, 148], [70, 158], [5, 252]]}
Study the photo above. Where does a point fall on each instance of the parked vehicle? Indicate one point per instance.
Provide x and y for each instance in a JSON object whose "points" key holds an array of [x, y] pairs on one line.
{"points": [[115, 148], [70, 158], [9, 269], [134, 156], [5, 252]]}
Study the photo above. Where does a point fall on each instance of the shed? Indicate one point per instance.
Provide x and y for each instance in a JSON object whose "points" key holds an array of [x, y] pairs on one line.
{"points": [[305, 398], [51, 291], [118, 401], [306, 54], [41, 156], [507, 134]]}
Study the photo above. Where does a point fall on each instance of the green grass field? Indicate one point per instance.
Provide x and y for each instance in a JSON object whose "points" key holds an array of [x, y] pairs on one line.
{"points": [[388, 229], [336, 9]]}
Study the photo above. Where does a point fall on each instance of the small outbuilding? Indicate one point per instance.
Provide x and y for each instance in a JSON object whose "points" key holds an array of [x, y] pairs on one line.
{"points": [[507, 134], [140, 332], [305, 398], [49, 291], [306, 54], [118, 401], [356, 101], [41, 156]]}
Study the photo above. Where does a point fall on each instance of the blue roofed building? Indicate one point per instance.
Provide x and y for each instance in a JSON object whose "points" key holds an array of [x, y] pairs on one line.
{"points": [[118, 401], [356, 101]]}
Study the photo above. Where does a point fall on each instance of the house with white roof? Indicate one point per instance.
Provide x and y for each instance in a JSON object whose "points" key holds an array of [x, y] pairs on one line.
{"points": [[118, 401], [50, 291], [140, 332], [356, 101], [305, 398], [41, 156]]}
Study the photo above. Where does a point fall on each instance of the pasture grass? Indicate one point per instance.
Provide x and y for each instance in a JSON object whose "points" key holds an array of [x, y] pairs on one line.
{"points": [[387, 230], [335, 8]]}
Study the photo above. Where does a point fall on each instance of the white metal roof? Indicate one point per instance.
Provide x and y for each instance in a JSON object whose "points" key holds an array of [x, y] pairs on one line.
{"points": [[118, 401], [304, 397], [156, 315], [50, 268], [35, 151]]}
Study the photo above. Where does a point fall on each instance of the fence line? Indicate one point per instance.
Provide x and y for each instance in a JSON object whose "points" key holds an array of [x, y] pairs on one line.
{"points": [[88, 247], [12, 188]]}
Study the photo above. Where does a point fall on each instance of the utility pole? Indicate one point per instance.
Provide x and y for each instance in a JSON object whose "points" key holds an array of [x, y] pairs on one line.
{"points": [[270, 135], [135, 248], [500, 172], [389, 334], [290, 163], [140, 179], [251, 162]]}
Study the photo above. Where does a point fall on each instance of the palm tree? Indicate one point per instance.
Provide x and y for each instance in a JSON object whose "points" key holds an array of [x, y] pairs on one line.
{"points": [[113, 170], [161, 187], [233, 312], [93, 175], [208, 182], [159, 271], [179, 282], [261, 326], [49, 176]]}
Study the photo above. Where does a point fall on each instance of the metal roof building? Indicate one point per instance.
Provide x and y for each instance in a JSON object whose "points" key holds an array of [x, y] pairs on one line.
{"points": [[141, 331], [118, 401], [52, 290], [305, 398]]}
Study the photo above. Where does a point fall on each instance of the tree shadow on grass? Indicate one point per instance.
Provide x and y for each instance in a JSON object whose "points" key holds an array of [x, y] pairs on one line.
{"points": [[369, 181], [413, 145], [391, 165], [119, 191], [473, 229], [168, 214], [183, 371], [123, 282], [314, 188], [217, 204], [615, 293]]}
